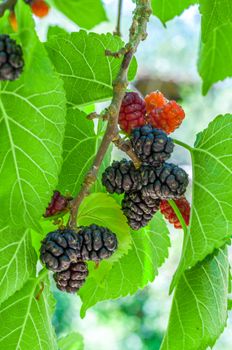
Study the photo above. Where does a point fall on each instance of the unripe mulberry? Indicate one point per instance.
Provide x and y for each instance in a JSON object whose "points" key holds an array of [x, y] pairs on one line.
{"points": [[58, 204], [11, 58], [165, 182], [39, 7], [138, 210], [121, 177], [59, 249], [155, 100], [132, 112], [96, 243], [152, 146], [72, 279], [170, 215], [13, 21], [167, 118]]}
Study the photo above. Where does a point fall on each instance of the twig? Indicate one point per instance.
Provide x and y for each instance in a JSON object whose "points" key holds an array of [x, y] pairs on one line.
{"points": [[118, 26], [6, 5], [137, 34], [92, 116], [126, 147]]}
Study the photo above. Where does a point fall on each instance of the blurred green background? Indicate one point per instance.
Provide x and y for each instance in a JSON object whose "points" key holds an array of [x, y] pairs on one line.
{"points": [[167, 61]]}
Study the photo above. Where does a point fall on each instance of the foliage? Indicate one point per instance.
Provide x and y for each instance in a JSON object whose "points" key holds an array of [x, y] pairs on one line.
{"points": [[72, 341], [148, 251], [199, 309], [77, 66], [47, 142], [166, 10], [86, 14], [26, 320]]}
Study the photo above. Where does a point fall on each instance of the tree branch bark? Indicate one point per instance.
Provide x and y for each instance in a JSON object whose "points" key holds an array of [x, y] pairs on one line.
{"points": [[6, 5], [137, 34], [118, 25], [126, 147]]}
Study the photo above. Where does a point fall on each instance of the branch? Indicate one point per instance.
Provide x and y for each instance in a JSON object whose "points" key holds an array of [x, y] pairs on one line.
{"points": [[126, 147], [137, 34], [118, 26], [6, 5]]}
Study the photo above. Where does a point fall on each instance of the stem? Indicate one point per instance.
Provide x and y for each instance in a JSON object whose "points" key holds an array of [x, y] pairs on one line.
{"points": [[182, 144], [118, 26], [126, 147], [6, 5], [179, 215], [137, 34]]}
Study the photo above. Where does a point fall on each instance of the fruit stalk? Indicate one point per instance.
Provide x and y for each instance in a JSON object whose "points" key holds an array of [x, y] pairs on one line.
{"points": [[137, 34]]}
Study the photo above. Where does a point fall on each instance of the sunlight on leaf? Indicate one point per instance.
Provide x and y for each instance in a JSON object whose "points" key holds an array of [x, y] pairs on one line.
{"points": [[133, 271]]}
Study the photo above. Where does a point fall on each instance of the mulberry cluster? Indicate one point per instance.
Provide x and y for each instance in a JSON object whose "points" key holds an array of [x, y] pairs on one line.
{"points": [[139, 210], [152, 146], [121, 177], [66, 251], [11, 58], [156, 181], [72, 279], [155, 109]]}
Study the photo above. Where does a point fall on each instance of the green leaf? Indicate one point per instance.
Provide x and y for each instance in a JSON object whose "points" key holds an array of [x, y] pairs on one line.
{"points": [[211, 214], [85, 13], [102, 210], [81, 62], [72, 341], [215, 62], [32, 117], [54, 31], [199, 308], [78, 150], [214, 14], [134, 270], [216, 33], [26, 321], [17, 260], [168, 9]]}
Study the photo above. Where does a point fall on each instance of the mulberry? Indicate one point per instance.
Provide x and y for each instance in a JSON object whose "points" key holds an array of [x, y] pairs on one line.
{"points": [[11, 58], [152, 146], [39, 7], [72, 279], [155, 100], [138, 210], [167, 118], [96, 243], [170, 215], [165, 182], [132, 112], [59, 249], [121, 177], [58, 204]]}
